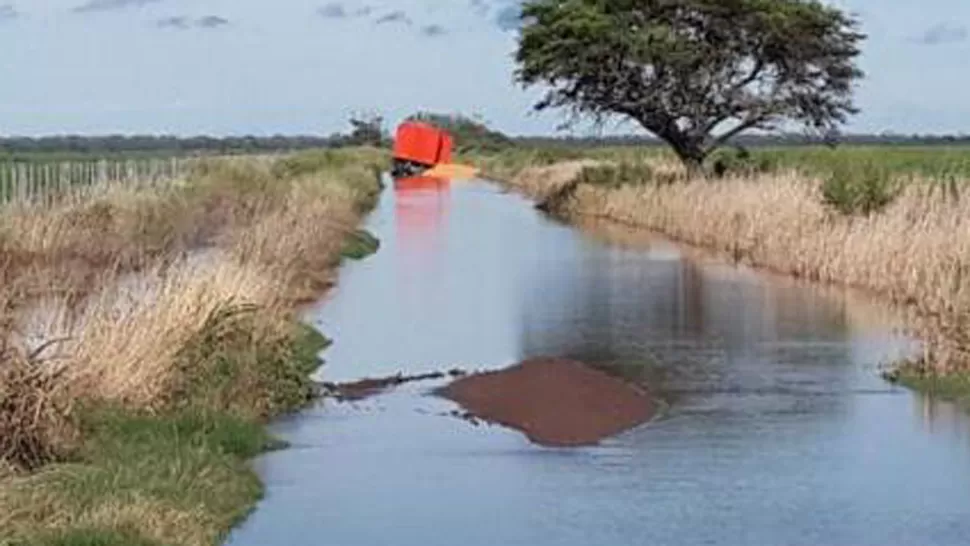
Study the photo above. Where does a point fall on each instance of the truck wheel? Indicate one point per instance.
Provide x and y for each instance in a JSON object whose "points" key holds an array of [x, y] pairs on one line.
{"points": [[405, 169]]}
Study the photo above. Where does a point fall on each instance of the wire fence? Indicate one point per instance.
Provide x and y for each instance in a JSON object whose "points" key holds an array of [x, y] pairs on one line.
{"points": [[42, 182]]}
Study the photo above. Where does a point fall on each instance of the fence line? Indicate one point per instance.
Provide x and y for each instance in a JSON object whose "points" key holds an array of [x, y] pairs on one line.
{"points": [[42, 182]]}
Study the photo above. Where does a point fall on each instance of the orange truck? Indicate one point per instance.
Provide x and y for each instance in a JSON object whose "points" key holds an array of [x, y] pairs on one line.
{"points": [[419, 146]]}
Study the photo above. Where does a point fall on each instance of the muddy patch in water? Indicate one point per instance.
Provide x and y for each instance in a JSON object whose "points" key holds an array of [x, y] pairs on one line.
{"points": [[555, 402]]}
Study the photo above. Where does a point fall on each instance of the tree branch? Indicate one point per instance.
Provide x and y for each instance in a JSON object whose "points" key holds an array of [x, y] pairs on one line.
{"points": [[686, 69], [730, 94], [752, 121]]}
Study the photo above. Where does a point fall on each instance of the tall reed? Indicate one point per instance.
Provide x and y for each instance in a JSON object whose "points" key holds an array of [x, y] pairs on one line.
{"points": [[148, 333]]}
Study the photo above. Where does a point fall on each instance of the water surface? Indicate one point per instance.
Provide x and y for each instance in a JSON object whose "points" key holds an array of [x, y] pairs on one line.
{"points": [[779, 430]]}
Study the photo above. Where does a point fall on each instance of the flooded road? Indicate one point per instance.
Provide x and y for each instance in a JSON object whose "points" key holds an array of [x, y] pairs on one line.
{"points": [[778, 430]]}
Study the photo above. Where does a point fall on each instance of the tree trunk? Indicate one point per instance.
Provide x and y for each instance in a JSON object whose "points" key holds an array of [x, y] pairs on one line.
{"points": [[694, 165], [692, 156], [689, 148]]}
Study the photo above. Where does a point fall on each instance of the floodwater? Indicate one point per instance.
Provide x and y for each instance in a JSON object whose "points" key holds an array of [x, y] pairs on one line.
{"points": [[779, 430]]}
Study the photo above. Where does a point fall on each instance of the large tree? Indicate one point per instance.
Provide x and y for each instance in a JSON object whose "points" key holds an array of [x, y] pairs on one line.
{"points": [[695, 73]]}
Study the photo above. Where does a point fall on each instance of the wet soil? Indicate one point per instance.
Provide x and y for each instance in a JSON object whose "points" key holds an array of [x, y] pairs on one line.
{"points": [[555, 402], [364, 388]]}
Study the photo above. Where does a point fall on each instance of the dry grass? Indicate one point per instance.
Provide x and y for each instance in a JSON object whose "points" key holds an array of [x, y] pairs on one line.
{"points": [[179, 302], [124, 327], [123, 346], [70, 246], [544, 182], [143, 481], [34, 422], [66, 249], [915, 252], [301, 239], [153, 519]]}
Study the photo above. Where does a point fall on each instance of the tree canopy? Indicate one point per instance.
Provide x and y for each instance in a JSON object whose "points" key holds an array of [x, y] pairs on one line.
{"points": [[695, 73], [367, 129], [469, 133]]}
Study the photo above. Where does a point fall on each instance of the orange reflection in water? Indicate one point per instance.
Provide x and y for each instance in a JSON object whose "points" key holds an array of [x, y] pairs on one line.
{"points": [[421, 183], [420, 210]]}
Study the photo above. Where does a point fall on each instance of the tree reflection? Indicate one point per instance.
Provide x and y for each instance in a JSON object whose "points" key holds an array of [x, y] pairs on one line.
{"points": [[703, 328]]}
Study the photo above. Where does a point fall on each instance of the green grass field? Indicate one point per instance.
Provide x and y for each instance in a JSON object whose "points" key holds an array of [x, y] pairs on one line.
{"points": [[925, 161]]}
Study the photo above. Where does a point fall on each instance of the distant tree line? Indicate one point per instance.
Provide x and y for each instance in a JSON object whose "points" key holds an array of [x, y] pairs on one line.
{"points": [[161, 144], [753, 140], [364, 129], [470, 134]]}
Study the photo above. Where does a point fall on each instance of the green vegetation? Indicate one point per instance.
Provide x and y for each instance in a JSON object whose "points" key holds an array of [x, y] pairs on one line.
{"points": [[954, 387], [504, 164], [191, 463], [694, 73], [470, 136], [924, 161], [359, 245], [93, 537], [935, 162], [861, 180], [234, 365], [77, 147], [855, 180], [863, 188], [108, 453], [188, 457], [315, 161]]}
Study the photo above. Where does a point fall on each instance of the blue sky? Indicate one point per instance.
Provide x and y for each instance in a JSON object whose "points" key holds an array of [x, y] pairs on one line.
{"points": [[303, 66]]}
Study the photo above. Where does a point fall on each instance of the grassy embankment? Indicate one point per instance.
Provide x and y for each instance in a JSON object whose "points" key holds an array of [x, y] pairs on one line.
{"points": [[891, 220], [149, 335]]}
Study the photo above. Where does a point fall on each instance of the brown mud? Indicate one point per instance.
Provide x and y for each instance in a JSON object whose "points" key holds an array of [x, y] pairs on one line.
{"points": [[555, 402], [364, 388]]}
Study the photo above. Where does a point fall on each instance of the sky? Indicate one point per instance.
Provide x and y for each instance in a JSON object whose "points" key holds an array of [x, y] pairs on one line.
{"points": [[264, 67]]}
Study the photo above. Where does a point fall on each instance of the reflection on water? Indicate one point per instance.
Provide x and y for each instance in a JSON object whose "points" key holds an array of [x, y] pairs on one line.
{"points": [[940, 417], [420, 218], [420, 209], [779, 430]]}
